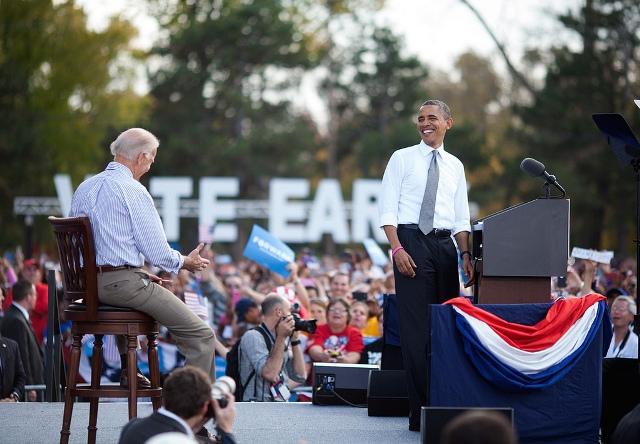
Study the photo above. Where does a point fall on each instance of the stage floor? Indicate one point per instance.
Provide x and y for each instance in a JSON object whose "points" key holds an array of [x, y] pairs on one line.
{"points": [[264, 423]]}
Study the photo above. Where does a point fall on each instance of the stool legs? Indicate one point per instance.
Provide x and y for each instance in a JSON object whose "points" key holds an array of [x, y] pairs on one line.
{"points": [[69, 397], [96, 373], [154, 368], [132, 370]]}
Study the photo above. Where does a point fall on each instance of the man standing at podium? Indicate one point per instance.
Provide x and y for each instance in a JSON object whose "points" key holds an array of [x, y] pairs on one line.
{"points": [[422, 203]]}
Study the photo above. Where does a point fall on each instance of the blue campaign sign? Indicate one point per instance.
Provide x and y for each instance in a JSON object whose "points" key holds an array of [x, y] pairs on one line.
{"points": [[375, 253], [268, 251]]}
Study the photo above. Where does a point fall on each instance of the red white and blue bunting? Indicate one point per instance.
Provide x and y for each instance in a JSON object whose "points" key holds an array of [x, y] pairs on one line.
{"points": [[516, 356]]}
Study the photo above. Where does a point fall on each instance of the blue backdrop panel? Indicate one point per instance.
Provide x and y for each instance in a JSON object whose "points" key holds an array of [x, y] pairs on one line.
{"points": [[567, 412]]}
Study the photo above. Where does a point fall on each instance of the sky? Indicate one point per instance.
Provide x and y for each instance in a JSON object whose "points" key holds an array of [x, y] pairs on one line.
{"points": [[437, 31]]}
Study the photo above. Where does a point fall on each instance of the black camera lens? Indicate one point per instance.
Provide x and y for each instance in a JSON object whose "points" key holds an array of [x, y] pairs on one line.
{"points": [[308, 326]]}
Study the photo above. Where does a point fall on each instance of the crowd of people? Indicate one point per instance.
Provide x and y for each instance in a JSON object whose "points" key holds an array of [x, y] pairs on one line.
{"points": [[343, 293], [269, 329]]}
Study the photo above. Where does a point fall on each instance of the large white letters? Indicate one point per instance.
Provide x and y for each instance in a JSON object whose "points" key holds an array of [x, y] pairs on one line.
{"points": [[292, 217], [213, 210], [328, 214], [283, 214], [170, 190], [364, 216]]}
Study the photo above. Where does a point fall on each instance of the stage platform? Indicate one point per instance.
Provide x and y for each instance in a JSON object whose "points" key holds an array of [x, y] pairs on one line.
{"points": [[264, 423]]}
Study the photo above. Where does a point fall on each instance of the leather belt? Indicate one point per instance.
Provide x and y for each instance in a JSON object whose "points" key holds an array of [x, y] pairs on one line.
{"points": [[437, 232], [110, 268]]}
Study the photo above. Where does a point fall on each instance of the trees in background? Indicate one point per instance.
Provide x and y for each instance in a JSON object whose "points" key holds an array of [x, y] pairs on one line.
{"points": [[226, 78], [600, 75], [58, 98]]}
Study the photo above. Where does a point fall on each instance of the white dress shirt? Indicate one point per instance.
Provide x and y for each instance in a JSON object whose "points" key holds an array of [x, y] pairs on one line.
{"points": [[125, 223], [405, 180], [629, 350]]}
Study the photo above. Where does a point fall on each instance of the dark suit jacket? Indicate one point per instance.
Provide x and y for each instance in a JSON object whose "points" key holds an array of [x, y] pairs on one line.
{"points": [[15, 326], [13, 376], [139, 430]]}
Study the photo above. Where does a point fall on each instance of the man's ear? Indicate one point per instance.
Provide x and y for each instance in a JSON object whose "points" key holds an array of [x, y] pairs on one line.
{"points": [[449, 123]]}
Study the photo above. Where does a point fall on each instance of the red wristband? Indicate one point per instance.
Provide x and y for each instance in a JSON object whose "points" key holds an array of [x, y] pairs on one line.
{"points": [[395, 250]]}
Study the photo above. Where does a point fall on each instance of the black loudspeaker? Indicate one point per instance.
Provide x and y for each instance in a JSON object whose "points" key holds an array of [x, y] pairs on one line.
{"points": [[340, 384], [387, 393], [434, 419], [620, 392]]}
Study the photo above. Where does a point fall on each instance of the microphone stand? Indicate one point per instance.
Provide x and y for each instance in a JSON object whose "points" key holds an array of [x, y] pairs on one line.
{"points": [[551, 180]]}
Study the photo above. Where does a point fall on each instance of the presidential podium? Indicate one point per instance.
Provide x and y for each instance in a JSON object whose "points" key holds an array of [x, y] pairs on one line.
{"points": [[518, 249]]}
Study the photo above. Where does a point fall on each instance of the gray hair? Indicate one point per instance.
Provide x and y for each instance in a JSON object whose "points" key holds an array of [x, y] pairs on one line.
{"points": [[632, 307], [440, 104], [271, 302], [132, 142]]}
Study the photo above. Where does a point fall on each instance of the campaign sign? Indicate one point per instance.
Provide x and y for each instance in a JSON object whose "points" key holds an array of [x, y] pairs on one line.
{"points": [[268, 251], [375, 253]]}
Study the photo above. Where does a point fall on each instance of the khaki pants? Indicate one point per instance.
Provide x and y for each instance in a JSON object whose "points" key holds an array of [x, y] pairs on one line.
{"points": [[132, 289]]}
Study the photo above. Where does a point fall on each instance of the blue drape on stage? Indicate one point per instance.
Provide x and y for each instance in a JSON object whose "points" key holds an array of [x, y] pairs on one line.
{"points": [[568, 412]]}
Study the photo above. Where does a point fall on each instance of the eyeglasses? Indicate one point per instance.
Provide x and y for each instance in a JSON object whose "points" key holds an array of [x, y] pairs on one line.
{"points": [[337, 310]]}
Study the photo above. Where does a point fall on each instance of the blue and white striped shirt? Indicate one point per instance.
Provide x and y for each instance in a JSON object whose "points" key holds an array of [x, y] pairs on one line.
{"points": [[127, 229]]}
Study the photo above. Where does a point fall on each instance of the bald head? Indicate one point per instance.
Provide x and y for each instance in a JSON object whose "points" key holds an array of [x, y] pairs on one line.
{"points": [[134, 141]]}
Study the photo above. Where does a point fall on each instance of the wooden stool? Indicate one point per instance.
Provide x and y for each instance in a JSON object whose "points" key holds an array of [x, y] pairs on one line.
{"points": [[77, 260]]}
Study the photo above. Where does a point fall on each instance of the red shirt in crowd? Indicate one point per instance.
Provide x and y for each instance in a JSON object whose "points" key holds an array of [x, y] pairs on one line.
{"points": [[348, 340]]}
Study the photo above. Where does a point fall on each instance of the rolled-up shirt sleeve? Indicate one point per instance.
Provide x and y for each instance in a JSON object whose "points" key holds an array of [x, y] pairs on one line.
{"points": [[390, 191], [149, 235], [461, 205]]}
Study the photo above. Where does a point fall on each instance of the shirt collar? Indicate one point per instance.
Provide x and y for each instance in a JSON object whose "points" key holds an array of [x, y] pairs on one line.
{"points": [[175, 417], [426, 150], [120, 168], [24, 311]]}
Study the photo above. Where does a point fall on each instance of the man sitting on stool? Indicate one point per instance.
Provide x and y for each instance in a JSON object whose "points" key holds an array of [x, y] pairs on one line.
{"points": [[186, 398]]}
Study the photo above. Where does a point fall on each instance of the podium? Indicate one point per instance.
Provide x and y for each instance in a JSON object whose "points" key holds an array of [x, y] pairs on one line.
{"points": [[518, 249]]}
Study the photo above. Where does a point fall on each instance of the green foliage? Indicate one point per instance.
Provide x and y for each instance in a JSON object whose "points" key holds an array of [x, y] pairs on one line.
{"points": [[55, 98], [557, 126], [220, 98]]}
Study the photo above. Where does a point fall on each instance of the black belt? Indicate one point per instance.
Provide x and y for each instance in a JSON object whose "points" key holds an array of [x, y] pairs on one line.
{"points": [[437, 232], [109, 268]]}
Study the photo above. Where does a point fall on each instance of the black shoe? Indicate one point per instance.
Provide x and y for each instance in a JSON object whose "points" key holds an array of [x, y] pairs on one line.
{"points": [[414, 422], [143, 382]]}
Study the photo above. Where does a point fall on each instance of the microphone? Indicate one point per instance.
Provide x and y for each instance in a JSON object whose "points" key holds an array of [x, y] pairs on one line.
{"points": [[537, 169]]}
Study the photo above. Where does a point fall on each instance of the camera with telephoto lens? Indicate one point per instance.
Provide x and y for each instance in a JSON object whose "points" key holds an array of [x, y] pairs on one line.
{"points": [[308, 326], [220, 390]]}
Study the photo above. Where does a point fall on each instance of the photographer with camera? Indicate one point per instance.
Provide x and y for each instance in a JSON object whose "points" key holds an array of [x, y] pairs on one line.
{"points": [[188, 405], [270, 354]]}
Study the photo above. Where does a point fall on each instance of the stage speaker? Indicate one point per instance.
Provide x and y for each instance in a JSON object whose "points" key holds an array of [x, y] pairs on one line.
{"points": [[387, 393], [339, 384], [434, 419]]}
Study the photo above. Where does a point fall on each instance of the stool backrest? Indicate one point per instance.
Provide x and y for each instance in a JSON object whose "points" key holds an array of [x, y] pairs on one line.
{"points": [[78, 262]]}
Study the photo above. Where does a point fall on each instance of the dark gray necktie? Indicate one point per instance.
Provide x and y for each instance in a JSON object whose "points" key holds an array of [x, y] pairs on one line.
{"points": [[427, 210]]}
